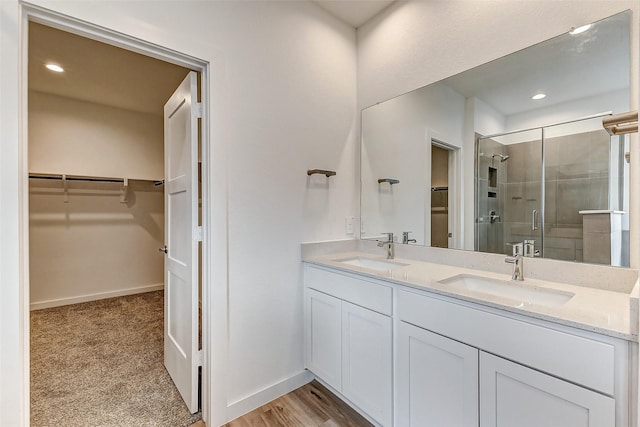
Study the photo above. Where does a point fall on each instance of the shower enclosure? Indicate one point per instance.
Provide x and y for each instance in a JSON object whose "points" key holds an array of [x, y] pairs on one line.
{"points": [[560, 188]]}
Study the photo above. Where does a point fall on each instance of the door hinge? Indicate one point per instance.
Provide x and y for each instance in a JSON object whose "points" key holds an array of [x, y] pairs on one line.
{"points": [[198, 233], [200, 358], [198, 108]]}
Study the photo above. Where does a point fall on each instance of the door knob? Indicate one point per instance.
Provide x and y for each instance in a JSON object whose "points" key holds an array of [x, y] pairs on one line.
{"points": [[164, 249]]}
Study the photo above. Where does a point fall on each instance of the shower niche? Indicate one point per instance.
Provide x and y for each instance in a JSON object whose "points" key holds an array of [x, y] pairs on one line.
{"points": [[493, 180]]}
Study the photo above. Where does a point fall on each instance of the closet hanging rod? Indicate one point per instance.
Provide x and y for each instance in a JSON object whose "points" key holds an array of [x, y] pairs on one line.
{"points": [[76, 178]]}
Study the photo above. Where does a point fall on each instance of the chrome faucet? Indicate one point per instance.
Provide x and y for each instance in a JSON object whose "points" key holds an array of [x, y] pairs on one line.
{"points": [[517, 261], [390, 247], [406, 239]]}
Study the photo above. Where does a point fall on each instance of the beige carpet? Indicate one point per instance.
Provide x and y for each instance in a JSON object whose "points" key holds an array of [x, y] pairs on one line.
{"points": [[100, 364]]}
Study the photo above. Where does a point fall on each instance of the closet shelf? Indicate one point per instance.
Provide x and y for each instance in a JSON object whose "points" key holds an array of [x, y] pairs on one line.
{"points": [[87, 178], [65, 179]]}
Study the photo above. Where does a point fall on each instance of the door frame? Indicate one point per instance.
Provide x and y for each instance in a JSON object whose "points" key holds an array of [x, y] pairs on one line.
{"points": [[434, 139], [213, 393]]}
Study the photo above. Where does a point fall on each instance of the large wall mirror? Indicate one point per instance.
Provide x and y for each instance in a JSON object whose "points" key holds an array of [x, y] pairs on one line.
{"points": [[509, 152]]}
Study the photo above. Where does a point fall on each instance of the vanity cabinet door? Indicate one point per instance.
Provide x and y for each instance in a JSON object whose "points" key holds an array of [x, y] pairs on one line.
{"points": [[367, 361], [513, 395], [323, 324], [437, 380]]}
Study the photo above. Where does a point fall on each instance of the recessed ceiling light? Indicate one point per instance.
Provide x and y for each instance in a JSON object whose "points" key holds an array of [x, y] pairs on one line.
{"points": [[579, 30], [538, 96], [54, 67]]}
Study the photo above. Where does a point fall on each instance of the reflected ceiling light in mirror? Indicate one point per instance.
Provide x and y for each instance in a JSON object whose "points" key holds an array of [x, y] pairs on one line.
{"points": [[54, 67], [579, 30], [539, 96]]}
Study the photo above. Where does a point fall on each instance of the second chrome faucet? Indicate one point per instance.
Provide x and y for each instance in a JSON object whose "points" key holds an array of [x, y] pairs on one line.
{"points": [[389, 245], [405, 238]]}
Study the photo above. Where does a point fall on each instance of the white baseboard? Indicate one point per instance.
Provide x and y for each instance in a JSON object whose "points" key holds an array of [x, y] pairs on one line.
{"points": [[249, 403], [94, 297]]}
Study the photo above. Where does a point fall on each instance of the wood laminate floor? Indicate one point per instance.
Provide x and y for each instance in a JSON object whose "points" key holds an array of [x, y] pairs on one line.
{"points": [[311, 405]]}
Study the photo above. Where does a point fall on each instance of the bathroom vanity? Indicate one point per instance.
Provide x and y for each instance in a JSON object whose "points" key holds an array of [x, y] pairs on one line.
{"points": [[455, 342]]}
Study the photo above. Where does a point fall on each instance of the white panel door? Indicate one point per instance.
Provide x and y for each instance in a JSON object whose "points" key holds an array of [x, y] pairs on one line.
{"points": [[181, 222], [513, 395], [367, 361], [323, 343], [437, 380]]}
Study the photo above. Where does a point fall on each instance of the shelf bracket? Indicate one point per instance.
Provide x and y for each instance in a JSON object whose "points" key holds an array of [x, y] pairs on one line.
{"points": [[125, 189], [65, 188]]}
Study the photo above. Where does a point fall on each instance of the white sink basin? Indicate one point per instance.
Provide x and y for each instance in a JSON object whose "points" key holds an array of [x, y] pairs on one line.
{"points": [[372, 264], [521, 294]]}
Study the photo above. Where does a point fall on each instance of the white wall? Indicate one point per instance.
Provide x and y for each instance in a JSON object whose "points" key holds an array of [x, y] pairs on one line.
{"points": [[282, 93], [93, 246], [486, 119], [396, 143], [617, 102], [72, 137], [290, 107], [413, 43], [14, 340]]}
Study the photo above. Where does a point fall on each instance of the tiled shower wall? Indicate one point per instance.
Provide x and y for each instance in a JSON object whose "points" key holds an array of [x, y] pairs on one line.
{"points": [[490, 235], [576, 178]]}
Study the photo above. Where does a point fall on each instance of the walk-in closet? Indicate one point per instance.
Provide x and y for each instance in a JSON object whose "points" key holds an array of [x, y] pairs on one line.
{"points": [[96, 223]]}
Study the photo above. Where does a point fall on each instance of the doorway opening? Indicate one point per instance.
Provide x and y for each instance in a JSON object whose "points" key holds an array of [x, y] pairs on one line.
{"points": [[97, 208], [443, 178]]}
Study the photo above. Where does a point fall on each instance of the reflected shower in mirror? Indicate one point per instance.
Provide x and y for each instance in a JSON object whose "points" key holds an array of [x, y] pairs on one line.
{"points": [[577, 210], [482, 162]]}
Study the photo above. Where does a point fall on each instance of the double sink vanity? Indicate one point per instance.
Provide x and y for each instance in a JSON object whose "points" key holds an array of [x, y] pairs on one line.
{"points": [[436, 337], [429, 335]]}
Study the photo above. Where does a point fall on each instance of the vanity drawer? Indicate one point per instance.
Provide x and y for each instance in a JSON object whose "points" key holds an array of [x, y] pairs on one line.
{"points": [[577, 359], [361, 292]]}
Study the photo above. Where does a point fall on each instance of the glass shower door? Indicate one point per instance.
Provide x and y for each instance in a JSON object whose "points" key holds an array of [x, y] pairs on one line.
{"points": [[510, 205]]}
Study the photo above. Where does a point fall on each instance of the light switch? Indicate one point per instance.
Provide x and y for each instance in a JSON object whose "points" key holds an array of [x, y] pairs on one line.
{"points": [[348, 224]]}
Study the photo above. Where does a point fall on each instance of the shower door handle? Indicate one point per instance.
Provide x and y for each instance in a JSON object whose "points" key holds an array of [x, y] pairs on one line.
{"points": [[534, 220]]}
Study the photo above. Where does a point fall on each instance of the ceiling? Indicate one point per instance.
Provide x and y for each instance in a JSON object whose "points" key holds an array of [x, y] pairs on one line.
{"points": [[565, 68], [104, 74], [354, 12], [98, 72]]}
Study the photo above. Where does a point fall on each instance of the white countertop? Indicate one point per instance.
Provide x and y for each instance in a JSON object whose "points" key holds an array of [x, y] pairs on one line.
{"points": [[597, 310]]}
